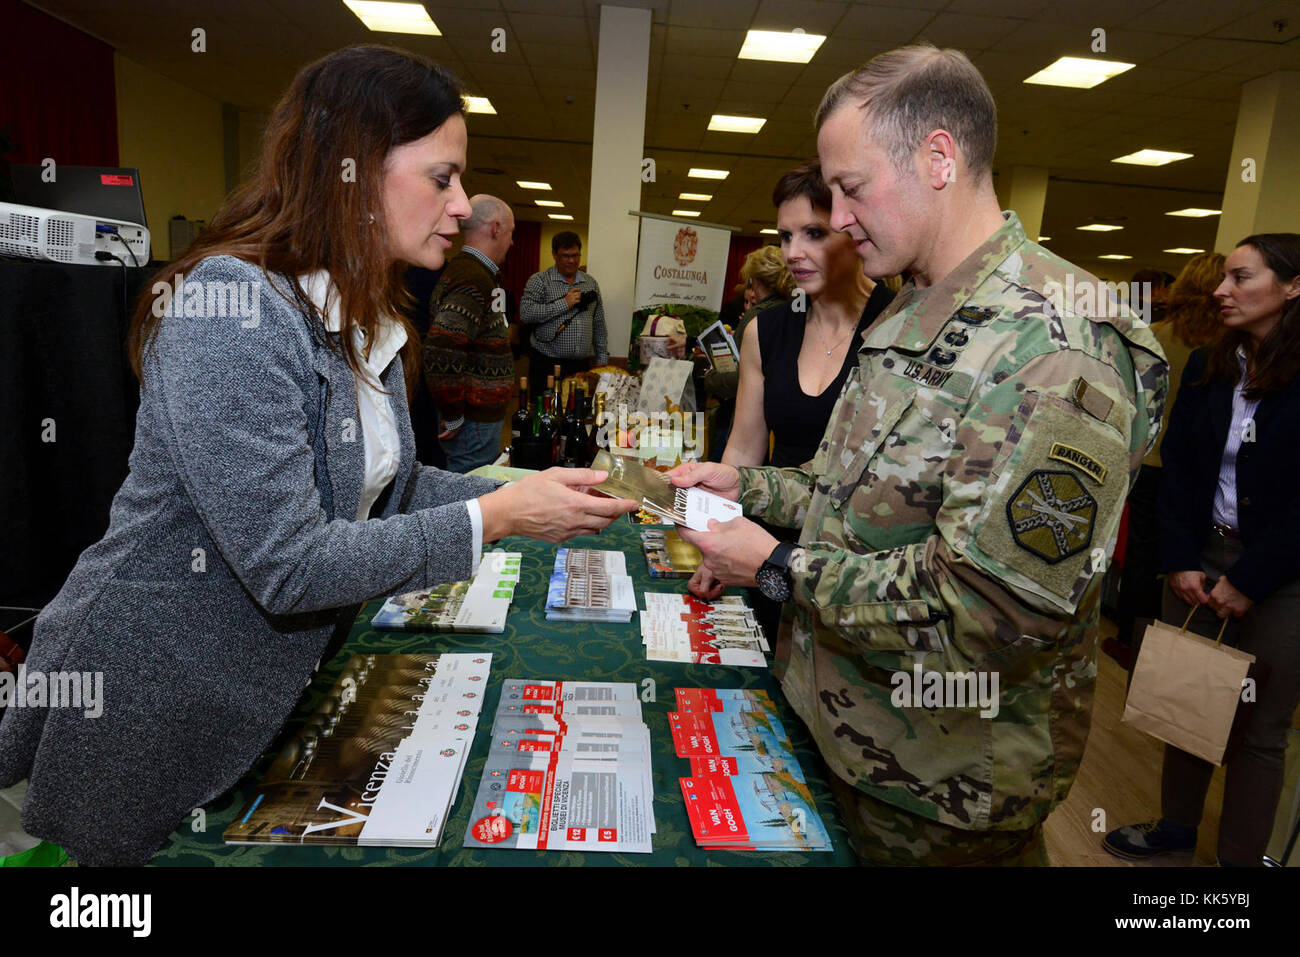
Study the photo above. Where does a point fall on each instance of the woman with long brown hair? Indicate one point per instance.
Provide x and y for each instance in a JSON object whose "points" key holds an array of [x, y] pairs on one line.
{"points": [[273, 483], [1229, 520]]}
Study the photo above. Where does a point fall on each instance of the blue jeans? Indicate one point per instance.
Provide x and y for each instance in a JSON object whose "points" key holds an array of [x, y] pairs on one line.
{"points": [[477, 443]]}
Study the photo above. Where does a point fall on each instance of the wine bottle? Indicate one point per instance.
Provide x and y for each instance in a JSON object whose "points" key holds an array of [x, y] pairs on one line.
{"points": [[600, 431], [519, 421], [571, 444], [548, 430], [583, 454], [549, 394], [525, 450]]}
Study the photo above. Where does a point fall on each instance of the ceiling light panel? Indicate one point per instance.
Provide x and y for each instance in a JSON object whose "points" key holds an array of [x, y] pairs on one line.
{"points": [[394, 17]]}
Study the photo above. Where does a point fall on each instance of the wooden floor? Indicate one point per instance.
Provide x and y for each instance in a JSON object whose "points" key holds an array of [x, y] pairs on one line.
{"points": [[1118, 784]]}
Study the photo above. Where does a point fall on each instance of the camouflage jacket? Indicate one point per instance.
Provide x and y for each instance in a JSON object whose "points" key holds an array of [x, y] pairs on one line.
{"points": [[955, 523]]}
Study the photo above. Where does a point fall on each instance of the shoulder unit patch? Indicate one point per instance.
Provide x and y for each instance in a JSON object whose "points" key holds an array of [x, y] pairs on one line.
{"points": [[1052, 515]]}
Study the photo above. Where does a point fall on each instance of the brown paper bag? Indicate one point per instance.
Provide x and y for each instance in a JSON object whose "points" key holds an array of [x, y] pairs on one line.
{"points": [[1186, 689]]}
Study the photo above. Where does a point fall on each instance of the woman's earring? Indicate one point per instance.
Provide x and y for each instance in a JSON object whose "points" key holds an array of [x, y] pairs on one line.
{"points": [[372, 218]]}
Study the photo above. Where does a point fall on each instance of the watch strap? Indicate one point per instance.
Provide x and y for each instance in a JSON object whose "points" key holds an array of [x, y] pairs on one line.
{"points": [[780, 556]]}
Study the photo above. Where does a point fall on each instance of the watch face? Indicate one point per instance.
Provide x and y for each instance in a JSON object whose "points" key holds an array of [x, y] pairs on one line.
{"points": [[773, 583]]}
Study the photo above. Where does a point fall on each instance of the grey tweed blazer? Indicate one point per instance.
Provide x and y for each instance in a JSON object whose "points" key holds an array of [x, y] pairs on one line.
{"points": [[248, 447]]}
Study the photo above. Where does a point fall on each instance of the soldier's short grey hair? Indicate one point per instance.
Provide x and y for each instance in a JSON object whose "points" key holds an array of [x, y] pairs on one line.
{"points": [[907, 93], [484, 210]]}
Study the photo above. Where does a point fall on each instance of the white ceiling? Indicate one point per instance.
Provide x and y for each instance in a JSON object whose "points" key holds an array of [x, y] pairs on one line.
{"points": [[1192, 57]]}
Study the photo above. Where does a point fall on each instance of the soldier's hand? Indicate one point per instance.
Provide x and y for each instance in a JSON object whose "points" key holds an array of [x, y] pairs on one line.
{"points": [[733, 551], [1226, 600], [703, 585], [1189, 586], [711, 476]]}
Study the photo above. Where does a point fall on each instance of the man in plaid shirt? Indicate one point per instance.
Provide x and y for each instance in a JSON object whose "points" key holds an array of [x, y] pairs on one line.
{"points": [[563, 306]]}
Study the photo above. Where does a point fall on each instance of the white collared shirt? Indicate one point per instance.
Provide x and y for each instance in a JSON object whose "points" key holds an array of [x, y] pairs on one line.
{"points": [[1225, 510], [378, 424]]}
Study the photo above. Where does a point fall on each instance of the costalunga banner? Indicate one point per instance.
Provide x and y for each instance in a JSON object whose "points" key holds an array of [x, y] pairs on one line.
{"points": [[680, 263], [680, 271]]}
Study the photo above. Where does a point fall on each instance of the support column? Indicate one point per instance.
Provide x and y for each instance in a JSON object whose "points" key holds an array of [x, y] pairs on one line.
{"points": [[1262, 192], [1025, 192], [618, 141]]}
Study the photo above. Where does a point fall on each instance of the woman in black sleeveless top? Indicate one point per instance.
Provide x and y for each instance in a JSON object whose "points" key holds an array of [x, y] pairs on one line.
{"points": [[794, 359], [796, 419]]}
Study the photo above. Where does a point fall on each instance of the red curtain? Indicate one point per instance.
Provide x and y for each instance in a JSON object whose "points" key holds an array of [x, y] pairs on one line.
{"points": [[741, 246], [522, 261], [60, 99]]}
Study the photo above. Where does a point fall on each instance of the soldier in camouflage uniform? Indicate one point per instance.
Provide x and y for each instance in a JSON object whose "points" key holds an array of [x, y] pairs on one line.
{"points": [[956, 516]]}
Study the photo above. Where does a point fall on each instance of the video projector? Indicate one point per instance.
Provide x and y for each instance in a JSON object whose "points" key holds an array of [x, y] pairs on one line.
{"points": [[70, 237]]}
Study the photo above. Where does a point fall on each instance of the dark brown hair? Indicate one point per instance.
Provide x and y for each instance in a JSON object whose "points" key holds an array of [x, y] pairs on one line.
{"points": [[804, 180], [300, 212], [1277, 357]]}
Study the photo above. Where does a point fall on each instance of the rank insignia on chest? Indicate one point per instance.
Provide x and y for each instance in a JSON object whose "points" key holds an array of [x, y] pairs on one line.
{"points": [[1052, 515], [975, 315]]}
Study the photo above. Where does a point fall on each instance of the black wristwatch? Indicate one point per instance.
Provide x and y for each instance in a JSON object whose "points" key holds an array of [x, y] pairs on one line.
{"points": [[773, 575]]}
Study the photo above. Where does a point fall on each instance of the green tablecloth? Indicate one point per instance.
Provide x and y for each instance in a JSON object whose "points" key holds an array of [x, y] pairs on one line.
{"points": [[533, 647]]}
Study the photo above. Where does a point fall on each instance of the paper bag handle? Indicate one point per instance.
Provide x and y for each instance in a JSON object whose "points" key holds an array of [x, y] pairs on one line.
{"points": [[1183, 630]]}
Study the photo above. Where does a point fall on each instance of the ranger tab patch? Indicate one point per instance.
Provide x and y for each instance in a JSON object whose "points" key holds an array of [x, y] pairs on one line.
{"points": [[1052, 515], [1080, 459]]}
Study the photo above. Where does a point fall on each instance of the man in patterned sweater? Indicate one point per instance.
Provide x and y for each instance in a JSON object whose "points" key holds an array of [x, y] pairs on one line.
{"points": [[468, 365]]}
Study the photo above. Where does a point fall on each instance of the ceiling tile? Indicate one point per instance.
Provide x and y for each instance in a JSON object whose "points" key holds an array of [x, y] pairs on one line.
{"points": [[1190, 18], [714, 67], [568, 80], [566, 8], [713, 14], [536, 29], [1204, 54], [658, 8], [812, 16], [967, 33], [1017, 9], [1143, 80], [698, 41], [893, 25], [749, 97], [1276, 22]]}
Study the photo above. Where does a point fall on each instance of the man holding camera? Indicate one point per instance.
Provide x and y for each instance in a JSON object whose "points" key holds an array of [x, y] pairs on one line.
{"points": [[563, 306]]}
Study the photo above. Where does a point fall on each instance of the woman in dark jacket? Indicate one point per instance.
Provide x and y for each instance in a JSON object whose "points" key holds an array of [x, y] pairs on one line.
{"points": [[1229, 523], [273, 482]]}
